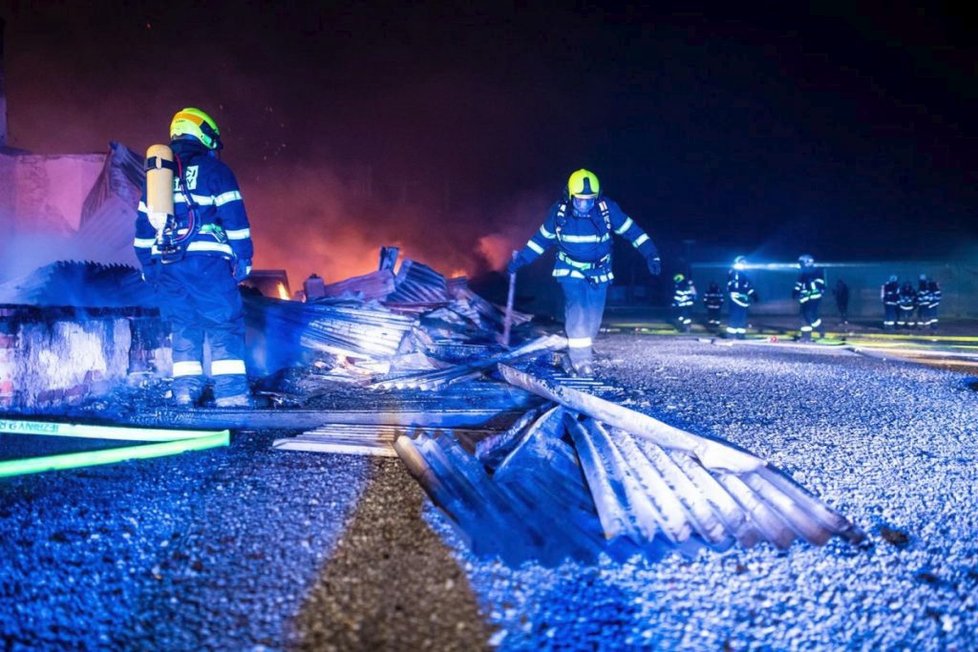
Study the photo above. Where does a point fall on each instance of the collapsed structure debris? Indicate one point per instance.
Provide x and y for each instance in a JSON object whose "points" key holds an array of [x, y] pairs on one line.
{"points": [[528, 463], [589, 476]]}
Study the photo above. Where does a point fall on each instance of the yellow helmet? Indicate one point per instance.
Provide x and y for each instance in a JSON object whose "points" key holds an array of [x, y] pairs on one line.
{"points": [[583, 183], [196, 123]]}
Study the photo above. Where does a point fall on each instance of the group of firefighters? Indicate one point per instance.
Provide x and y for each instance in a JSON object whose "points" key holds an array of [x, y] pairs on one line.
{"points": [[904, 306], [193, 241]]}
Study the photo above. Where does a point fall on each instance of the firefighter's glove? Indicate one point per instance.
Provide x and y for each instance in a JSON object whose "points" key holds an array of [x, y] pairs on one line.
{"points": [[655, 266], [242, 268], [151, 274], [517, 261]]}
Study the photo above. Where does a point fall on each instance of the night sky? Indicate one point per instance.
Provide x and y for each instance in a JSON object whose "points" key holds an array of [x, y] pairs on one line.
{"points": [[848, 133]]}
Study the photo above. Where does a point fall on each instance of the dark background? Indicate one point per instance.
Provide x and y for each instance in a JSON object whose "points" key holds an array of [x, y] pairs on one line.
{"points": [[846, 131]]}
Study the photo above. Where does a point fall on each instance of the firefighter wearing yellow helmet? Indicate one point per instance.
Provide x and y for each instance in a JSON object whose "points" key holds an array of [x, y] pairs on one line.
{"points": [[581, 225], [194, 250]]}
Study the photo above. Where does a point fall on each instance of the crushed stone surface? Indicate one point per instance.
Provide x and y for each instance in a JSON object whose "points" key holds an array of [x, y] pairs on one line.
{"points": [[250, 548]]}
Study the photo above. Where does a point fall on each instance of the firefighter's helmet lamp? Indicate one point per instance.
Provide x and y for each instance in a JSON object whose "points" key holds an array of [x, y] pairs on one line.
{"points": [[739, 263], [197, 124], [583, 189], [678, 278], [805, 260]]}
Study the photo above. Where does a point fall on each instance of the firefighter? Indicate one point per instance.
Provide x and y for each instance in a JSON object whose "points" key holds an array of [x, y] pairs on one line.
{"points": [[808, 292], [713, 301], [683, 298], [196, 260], [890, 296], [581, 225], [841, 293], [741, 293], [934, 295], [923, 302], [906, 303]]}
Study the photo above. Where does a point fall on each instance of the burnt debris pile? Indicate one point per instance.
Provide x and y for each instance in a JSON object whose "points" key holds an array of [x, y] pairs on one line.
{"points": [[581, 476]]}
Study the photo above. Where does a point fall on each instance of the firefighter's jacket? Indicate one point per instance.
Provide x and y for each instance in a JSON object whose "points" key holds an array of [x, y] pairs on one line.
{"points": [[890, 293], [934, 294], [809, 286], [683, 294], [584, 243], [210, 217], [713, 297], [908, 297], [740, 290]]}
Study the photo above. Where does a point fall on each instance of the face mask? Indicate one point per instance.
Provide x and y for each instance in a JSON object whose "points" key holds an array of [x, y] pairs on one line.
{"points": [[583, 205]]}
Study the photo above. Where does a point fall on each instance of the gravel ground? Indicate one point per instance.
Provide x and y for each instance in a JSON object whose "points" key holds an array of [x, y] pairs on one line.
{"points": [[891, 446], [249, 548]]}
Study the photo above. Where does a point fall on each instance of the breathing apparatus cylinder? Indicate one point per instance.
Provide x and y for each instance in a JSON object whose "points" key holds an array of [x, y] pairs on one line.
{"points": [[159, 186]]}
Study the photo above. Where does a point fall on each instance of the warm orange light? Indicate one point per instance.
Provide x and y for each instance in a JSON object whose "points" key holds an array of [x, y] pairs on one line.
{"points": [[282, 292]]}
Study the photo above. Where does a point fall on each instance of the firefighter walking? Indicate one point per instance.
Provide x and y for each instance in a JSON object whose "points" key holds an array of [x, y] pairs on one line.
{"points": [[741, 293], [581, 225], [890, 296], [195, 257], [713, 302], [683, 298], [808, 291]]}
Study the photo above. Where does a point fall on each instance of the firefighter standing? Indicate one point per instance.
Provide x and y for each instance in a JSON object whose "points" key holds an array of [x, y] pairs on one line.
{"points": [[808, 292], [741, 293], [923, 302], [841, 293], [890, 296], [906, 303], [713, 301], [934, 295], [581, 225], [683, 298], [195, 263]]}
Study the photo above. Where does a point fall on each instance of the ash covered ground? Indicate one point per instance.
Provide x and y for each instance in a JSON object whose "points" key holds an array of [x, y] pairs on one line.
{"points": [[250, 548]]}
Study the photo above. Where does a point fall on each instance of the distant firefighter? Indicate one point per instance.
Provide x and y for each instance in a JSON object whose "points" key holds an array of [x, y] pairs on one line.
{"points": [[906, 304], [929, 298], [683, 299], [581, 225], [890, 296], [713, 301], [841, 292], [808, 291], [741, 293]]}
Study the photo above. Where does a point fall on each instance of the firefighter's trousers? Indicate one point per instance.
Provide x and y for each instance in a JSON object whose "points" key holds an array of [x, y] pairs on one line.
{"points": [[200, 299], [583, 309]]}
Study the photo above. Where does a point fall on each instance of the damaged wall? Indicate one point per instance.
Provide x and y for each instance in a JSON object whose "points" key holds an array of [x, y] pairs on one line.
{"points": [[49, 358]]}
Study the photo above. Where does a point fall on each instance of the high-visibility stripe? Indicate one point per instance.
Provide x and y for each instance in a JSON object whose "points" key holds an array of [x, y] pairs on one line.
{"points": [[209, 246], [534, 246], [143, 243], [585, 238], [227, 367], [200, 200], [640, 240], [547, 234], [226, 197], [187, 368], [238, 234], [627, 224], [578, 342]]}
